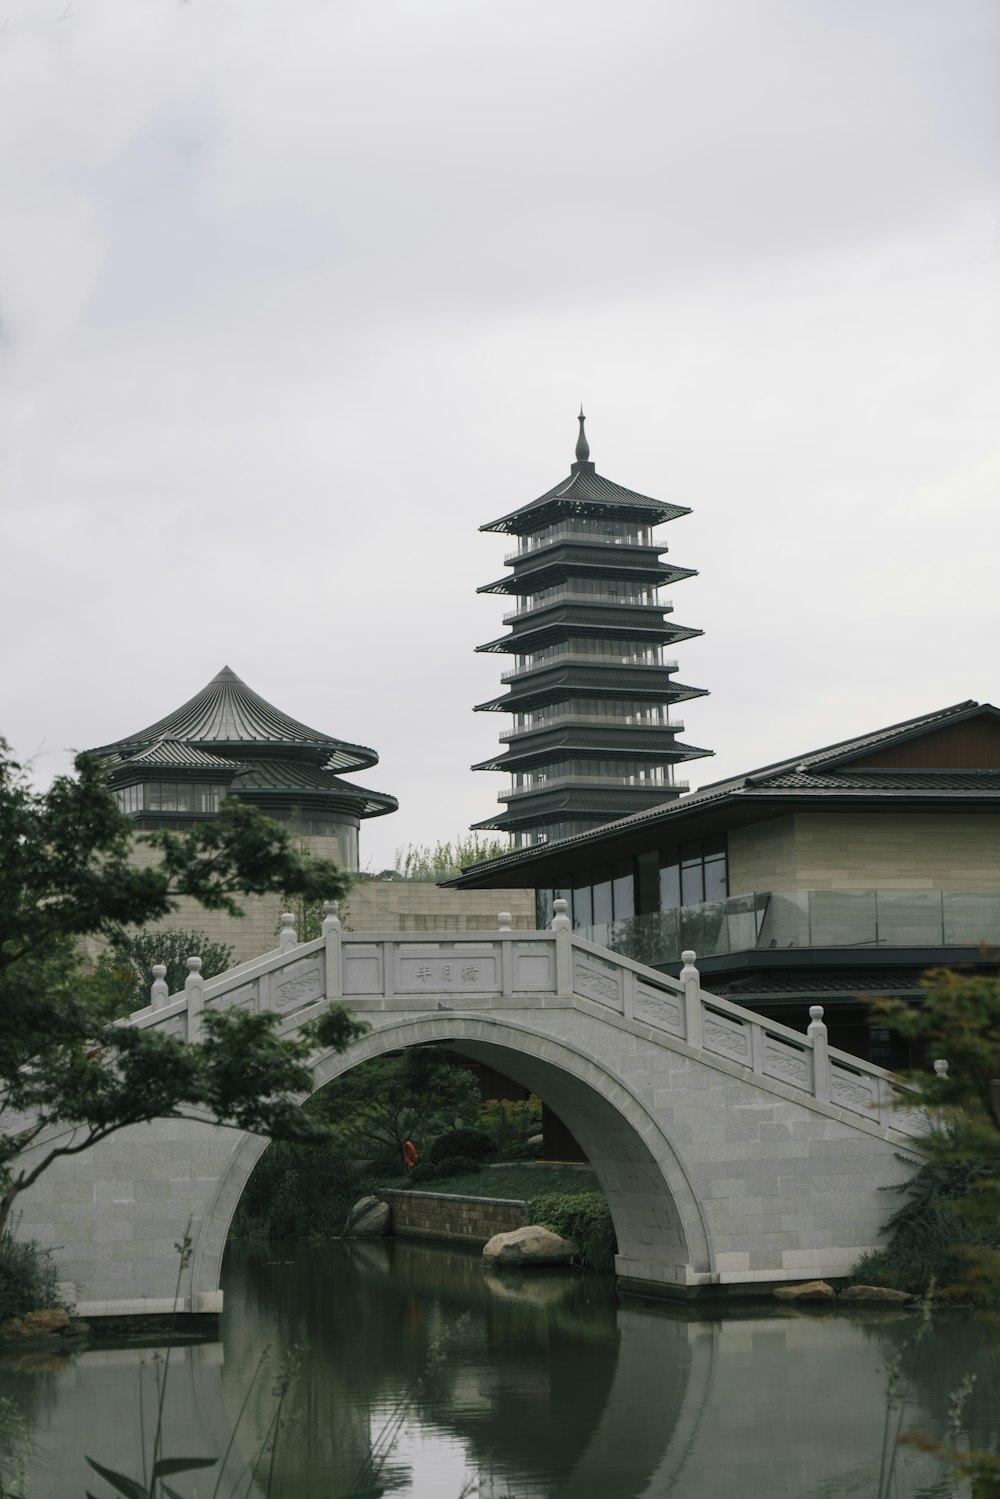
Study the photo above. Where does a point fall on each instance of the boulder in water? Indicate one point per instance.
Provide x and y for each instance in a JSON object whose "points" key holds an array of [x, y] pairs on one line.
{"points": [[532, 1245], [369, 1218]]}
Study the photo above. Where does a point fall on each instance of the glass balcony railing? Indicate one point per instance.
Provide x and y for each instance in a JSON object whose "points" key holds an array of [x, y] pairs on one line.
{"points": [[785, 919]]}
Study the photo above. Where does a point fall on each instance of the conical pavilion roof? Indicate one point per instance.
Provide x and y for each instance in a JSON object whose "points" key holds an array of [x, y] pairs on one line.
{"points": [[227, 714]]}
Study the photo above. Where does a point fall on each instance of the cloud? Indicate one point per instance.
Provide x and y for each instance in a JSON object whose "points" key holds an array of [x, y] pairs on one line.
{"points": [[296, 295]]}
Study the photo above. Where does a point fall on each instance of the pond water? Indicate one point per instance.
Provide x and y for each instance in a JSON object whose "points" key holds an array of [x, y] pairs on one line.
{"points": [[538, 1385]]}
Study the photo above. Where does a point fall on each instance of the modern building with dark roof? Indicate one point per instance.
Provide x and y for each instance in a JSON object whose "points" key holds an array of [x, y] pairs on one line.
{"points": [[589, 692], [829, 876], [229, 741]]}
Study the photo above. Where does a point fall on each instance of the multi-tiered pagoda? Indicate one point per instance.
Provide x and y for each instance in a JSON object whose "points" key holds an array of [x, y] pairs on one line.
{"points": [[590, 692]]}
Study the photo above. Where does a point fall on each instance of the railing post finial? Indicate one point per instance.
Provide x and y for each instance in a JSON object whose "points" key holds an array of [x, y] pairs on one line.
{"points": [[941, 1067], [334, 937], [159, 993], [691, 979], [562, 928], [817, 1033], [288, 937], [505, 922], [195, 991]]}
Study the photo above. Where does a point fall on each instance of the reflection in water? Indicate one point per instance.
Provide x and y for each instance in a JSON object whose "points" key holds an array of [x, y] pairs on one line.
{"points": [[531, 1385]]}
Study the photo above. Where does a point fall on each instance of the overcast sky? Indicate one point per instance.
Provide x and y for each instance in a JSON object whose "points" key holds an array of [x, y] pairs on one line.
{"points": [[296, 294]]}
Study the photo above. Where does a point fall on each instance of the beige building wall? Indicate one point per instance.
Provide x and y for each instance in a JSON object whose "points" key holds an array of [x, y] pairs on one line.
{"points": [[762, 857], [868, 851], [898, 851]]}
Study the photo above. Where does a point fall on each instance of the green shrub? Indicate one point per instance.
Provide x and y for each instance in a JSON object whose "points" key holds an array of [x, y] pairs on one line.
{"points": [[510, 1124], [468, 1144], [299, 1192], [583, 1217], [29, 1282]]}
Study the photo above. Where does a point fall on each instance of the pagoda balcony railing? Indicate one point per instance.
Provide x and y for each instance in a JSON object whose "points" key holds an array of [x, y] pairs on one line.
{"points": [[786, 920], [589, 599], [573, 658], [589, 536], [608, 783], [599, 720]]}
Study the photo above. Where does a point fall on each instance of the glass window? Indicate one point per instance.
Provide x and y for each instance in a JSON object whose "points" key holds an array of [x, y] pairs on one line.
{"points": [[602, 895], [699, 874], [648, 881], [623, 889], [583, 904], [715, 877], [692, 875], [670, 886]]}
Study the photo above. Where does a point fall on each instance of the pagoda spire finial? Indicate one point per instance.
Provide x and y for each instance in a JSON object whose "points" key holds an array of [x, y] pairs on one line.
{"points": [[582, 445]]}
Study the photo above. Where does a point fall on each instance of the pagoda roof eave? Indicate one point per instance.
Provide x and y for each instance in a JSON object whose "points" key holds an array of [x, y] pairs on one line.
{"points": [[667, 750], [276, 780], [559, 683], [587, 627], [526, 580], [587, 490]]}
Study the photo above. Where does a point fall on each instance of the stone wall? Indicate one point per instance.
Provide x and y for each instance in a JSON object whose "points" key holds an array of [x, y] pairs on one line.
{"points": [[370, 906], [412, 906], [435, 1215]]}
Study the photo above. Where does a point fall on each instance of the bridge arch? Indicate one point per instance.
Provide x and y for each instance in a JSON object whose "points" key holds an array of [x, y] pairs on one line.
{"points": [[660, 1226]]}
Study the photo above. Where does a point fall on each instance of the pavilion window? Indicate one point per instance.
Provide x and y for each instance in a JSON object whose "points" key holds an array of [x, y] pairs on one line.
{"points": [[129, 799]]}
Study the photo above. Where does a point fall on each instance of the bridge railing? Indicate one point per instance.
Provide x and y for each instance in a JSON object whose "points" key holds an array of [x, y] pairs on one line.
{"points": [[399, 970], [709, 1022]]}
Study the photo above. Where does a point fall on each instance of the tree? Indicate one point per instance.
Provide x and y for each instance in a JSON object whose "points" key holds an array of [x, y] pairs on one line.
{"points": [[65, 874], [127, 963], [375, 1108], [446, 860], [958, 1022]]}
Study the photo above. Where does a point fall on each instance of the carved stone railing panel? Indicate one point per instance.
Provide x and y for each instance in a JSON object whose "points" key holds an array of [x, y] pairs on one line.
{"points": [[243, 997], [534, 968], [296, 985], [659, 1008], [725, 1036], [363, 968], [852, 1089], [603, 982], [787, 1062]]}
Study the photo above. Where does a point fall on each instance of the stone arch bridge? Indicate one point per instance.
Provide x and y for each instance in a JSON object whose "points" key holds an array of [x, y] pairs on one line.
{"points": [[734, 1152]]}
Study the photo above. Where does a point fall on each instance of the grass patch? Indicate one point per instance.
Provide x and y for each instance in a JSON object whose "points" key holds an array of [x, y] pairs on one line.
{"points": [[516, 1181]]}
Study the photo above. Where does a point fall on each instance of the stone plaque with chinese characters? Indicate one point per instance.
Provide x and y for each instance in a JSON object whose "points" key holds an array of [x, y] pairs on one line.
{"points": [[448, 970]]}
